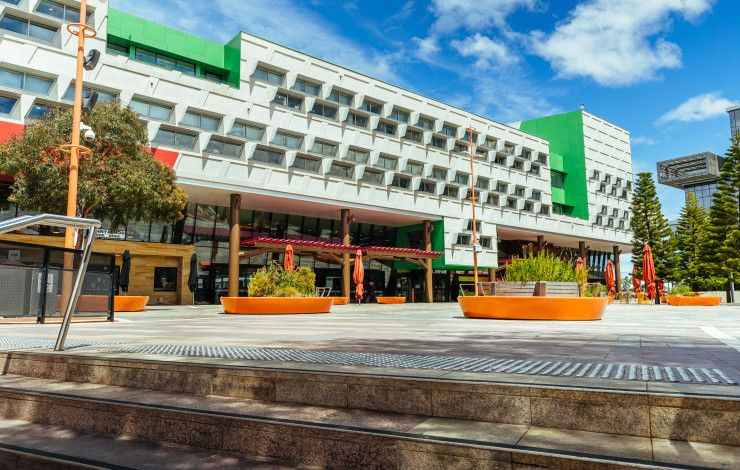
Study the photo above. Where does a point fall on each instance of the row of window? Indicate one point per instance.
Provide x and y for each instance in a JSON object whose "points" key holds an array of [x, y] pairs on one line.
{"points": [[614, 213], [608, 179], [610, 222], [164, 60]]}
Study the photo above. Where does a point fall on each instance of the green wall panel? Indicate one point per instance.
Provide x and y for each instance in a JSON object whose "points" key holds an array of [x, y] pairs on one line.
{"points": [[438, 244], [565, 133]]}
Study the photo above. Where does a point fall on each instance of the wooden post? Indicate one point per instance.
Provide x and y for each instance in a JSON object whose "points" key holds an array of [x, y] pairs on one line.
{"points": [[234, 244], [491, 275], [582, 252], [428, 278], [617, 269], [345, 256], [540, 243]]}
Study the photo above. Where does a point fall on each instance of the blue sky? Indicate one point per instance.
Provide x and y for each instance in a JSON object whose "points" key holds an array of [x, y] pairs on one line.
{"points": [[663, 69]]}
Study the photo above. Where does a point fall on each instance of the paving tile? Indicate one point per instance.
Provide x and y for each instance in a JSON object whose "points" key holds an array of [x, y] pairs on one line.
{"points": [[696, 454], [588, 442], [471, 430]]}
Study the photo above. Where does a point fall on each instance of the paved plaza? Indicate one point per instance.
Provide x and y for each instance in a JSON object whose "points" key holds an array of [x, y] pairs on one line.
{"points": [[672, 346]]}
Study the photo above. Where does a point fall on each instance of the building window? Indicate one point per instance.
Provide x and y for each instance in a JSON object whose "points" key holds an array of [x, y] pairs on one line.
{"points": [[460, 148], [509, 149], [398, 115], [511, 203], [25, 81], [526, 153], [629, 185], [413, 135], [596, 175], [165, 61], [599, 220], [358, 156], [342, 171], [7, 104], [604, 210], [201, 121], [608, 179], [485, 242], [324, 148], [613, 191], [399, 181], [536, 195], [528, 207], [103, 96], [562, 209], [449, 130], [534, 170], [28, 28], [502, 188], [414, 168], [461, 178], [619, 182], [470, 225], [340, 97], [451, 191], [310, 165], [439, 142], [11, 2], [324, 110], [357, 120], [165, 279], [482, 183], [542, 158], [224, 148], [544, 210], [463, 239], [518, 165], [270, 157], [500, 160], [439, 173], [466, 136], [372, 176], [287, 140], [388, 162], [269, 76], [116, 49], [306, 87], [289, 101], [428, 187], [386, 128], [425, 123], [177, 139], [624, 194], [557, 179], [39, 111], [57, 10], [493, 199], [621, 224], [247, 131], [371, 106], [519, 191], [491, 143], [150, 110]]}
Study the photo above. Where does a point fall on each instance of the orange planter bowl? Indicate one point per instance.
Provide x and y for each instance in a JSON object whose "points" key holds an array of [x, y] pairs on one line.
{"points": [[130, 303], [680, 301], [533, 308], [391, 300], [275, 305], [340, 300]]}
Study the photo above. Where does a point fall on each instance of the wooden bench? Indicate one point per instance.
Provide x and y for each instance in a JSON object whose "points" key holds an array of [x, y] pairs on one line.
{"points": [[529, 289]]}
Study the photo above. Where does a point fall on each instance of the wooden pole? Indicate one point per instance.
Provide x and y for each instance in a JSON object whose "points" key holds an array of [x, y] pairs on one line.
{"points": [[234, 243], [540, 243], [617, 268], [582, 252], [428, 278], [345, 219], [472, 205]]}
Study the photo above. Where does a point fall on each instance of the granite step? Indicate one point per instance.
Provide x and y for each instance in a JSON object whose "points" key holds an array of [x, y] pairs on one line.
{"points": [[330, 437]]}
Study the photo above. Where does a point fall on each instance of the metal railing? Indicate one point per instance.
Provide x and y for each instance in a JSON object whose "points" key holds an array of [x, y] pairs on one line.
{"points": [[88, 226]]}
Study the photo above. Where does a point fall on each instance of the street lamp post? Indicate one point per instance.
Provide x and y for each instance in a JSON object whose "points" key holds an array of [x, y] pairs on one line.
{"points": [[472, 205]]}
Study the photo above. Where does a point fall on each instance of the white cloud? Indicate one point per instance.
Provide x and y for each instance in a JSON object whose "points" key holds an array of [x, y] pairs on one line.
{"points": [[643, 140], [427, 47], [474, 15], [488, 53], [698, 108], [616, 42]]}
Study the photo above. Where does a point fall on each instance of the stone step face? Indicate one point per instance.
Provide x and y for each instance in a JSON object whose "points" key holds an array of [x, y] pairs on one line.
{"points": [[638, 413], [329, 437]]}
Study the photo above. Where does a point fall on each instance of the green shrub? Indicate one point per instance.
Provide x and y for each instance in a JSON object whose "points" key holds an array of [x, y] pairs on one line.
{"points": [[594, 289], [682, 290], [274, 281], [543, 267]]}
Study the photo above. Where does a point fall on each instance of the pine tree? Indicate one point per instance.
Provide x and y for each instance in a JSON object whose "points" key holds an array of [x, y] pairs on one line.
{"points": [[649, 226], [687, 240], [720, 253]]}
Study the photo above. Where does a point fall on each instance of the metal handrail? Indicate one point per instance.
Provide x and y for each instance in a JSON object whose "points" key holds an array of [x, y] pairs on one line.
{"points": [[77, 223]]}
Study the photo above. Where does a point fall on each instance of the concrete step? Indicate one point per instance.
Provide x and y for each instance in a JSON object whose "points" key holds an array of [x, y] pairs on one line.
{"points": [[668, 412], [26, 446], [335, 437]]}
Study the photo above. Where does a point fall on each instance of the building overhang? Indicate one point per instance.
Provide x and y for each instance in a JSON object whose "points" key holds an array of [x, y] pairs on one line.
{"points": [[558, 239]]}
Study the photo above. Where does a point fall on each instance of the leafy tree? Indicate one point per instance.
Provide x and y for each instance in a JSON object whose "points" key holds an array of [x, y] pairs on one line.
{"points": [[119, 180], [687, 240], [720, 253], [650, 227]]}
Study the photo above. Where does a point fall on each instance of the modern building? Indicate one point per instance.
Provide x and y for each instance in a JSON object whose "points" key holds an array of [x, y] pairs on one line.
{"points": [[303, 149], [734, 112]]}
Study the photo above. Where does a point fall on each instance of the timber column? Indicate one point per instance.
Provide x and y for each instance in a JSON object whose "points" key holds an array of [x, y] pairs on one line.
{"points": [[540, 243], [582, 252], [234, 244], [428, 279], [345, 256], [617, 268]]}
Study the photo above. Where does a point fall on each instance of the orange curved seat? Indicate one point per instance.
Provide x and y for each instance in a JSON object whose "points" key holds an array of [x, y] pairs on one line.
{"points": [[533, 308], [275, 305], [340, 300], [391, 300], [130, 303], [681, 301]]}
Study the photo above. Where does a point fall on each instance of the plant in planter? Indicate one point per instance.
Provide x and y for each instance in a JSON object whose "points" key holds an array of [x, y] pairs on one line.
{"points": [[542, 274], [594, 289], [682, 295]]}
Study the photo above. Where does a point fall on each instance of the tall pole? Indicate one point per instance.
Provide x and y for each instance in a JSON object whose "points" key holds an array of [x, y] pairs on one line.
{"points": [[472, 205], [235, 239]]}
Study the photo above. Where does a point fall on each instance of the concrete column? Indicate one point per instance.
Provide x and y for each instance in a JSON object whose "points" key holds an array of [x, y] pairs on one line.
{"points": [[540, 243], [428, 278], [345, 256], [234, 244], [617, 268]]}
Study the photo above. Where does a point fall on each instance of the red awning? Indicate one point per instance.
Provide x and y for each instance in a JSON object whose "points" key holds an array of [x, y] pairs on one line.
{"points": [[407, 251], [307, 243]]}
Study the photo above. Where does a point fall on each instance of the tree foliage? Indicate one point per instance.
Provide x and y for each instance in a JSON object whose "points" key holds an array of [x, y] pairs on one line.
{"points": [[650, 227], [720, 252], [687, 241], [119, 180]]}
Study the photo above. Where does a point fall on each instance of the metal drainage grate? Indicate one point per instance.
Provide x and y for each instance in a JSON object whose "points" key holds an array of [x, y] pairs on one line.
{"points": [[599, 370], [11, 342]]}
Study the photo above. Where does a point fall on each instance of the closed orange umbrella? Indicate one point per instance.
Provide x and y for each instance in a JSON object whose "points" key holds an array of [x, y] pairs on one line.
{"points": [[610, 278], [358, 275], [636, 281], [648, 272], [289, 259]]}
